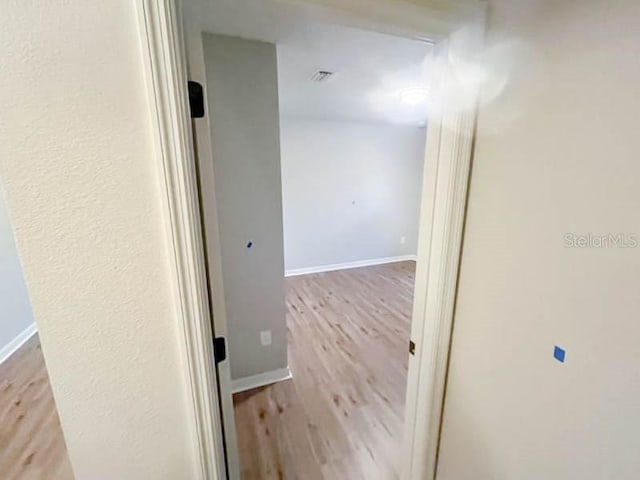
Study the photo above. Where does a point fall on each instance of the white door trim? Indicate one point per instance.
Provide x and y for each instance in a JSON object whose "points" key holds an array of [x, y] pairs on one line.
{"points": [[447, 159], [447, 167], [196, 70], [163, 54]]}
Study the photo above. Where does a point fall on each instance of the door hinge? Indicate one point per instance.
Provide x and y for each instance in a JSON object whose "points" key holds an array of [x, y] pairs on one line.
{"points": [[219, 349], [412, 347], [196, 99]]}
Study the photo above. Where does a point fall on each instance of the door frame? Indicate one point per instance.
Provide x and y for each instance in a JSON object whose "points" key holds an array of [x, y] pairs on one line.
{"points": [[448, 156], [163, 54]]}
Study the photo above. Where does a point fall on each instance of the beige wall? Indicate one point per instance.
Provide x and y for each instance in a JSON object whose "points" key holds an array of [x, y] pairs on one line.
{"points": [[242, 97], [567, 160], [83, 192]]}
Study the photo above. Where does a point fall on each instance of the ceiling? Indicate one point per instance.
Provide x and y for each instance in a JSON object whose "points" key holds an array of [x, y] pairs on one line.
{"points": [[370, 71], [370, 68]]}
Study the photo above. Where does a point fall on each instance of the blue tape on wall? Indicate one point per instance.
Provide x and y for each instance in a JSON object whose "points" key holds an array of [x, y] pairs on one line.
{"points": [[559, 354]]}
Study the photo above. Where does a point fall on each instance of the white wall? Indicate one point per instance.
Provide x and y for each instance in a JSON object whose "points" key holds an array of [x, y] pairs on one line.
{"points": [[15, 309], [242, 96], [557, 153], [351, 191], [84, 194]]}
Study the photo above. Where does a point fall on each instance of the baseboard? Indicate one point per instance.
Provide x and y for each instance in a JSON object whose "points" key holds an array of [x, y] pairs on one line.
{"points": [[10, 348], [345, 266], [260, 380]]}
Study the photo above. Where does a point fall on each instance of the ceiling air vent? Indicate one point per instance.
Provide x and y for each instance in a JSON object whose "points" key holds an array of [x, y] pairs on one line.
{"points": [[321, 76]]}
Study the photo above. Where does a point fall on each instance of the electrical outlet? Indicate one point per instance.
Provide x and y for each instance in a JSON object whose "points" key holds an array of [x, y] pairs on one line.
{"points": [[403, 240], [265, 337]]}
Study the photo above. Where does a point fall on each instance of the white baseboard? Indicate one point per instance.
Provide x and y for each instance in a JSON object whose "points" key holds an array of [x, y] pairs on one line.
{"points": [[345, 266], [10, 348], [260, 380]]}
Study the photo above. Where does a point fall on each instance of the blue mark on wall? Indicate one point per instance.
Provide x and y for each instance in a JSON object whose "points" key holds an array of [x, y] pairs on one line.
{"points": [[558, 354]]}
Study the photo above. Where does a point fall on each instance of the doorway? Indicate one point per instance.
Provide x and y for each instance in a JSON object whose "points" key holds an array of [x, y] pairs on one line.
{"points": [[351, 158], [316, 179], [447, 156]]}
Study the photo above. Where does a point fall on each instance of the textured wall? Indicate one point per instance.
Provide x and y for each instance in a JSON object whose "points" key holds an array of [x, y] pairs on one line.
{"points": [[83, 191], [558, 152], [351, 191]]}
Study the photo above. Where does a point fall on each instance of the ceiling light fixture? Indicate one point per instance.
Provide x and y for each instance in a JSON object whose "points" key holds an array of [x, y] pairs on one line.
{"points": [[414, 96]]}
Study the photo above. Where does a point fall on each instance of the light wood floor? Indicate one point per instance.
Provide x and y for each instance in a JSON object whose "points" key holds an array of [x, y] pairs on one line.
{"points": [[31, 442], [341, 417]]}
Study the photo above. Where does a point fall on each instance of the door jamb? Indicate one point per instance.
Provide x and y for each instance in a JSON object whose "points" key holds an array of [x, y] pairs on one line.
{"points": [[446, 176], [160, 28], [447, 156]]}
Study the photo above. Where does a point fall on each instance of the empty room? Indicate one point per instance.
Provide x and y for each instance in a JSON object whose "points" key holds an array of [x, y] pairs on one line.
{"points": [[311, 180], [208, 229]]}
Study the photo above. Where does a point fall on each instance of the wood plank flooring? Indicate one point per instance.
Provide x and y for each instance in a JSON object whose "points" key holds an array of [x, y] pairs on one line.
{"points": [[341, 416], [31, 442]]}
